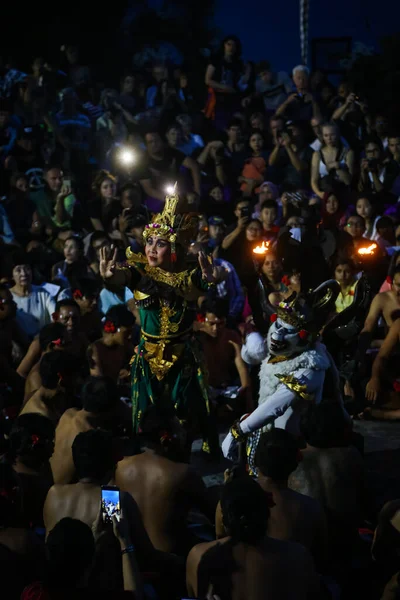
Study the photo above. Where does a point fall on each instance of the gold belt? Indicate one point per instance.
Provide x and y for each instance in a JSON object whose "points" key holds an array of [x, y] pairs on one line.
{"points": [[155, 352], [166, 338]]}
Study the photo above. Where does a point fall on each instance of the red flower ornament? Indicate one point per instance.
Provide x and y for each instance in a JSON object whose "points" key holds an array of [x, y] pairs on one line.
{"points": [[57, 342], [303, 334], [109, 327], [165, 437], [286, 280], [77, 295], [35, 439], [273, 318]]}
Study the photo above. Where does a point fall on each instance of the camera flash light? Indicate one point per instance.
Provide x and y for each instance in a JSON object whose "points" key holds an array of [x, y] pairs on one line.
{"points": [[127, 157]]}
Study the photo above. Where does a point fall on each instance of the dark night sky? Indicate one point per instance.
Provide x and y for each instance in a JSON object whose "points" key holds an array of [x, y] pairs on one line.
{"points": [[267, 30], [271, 30]]}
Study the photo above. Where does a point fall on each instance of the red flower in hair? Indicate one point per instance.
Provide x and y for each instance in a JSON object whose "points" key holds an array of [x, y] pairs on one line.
{"points": [[303, 334], [165, 437], [200, 318], [77, 294], [286, 280], [35, 439], [57, 342], [109, 327], [396, 386], [273, 318], [389, 279], [55, 316]]}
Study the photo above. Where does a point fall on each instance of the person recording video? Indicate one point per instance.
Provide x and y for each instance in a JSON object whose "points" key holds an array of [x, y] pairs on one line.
{"points": [[290, 159]]}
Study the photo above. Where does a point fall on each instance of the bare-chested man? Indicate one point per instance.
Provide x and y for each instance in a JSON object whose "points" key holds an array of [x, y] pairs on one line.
{"points": [[163, 484], [57, 373], [110, 356], [332, 472], [375, 390], [51, 337], [385, 304], [293, 517], [248, 564], [99, 399], [68, 314], [95, 464]]}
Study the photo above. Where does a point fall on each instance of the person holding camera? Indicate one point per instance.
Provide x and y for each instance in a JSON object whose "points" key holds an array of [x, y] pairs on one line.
{"points": [[332, 167], [212, 159], [290, 159], [374, 175], [111, 127], [235, 247], [302, 105]]}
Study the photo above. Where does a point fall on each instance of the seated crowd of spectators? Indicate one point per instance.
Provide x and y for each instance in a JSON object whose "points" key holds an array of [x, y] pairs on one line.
{"points": [[263, 157]]}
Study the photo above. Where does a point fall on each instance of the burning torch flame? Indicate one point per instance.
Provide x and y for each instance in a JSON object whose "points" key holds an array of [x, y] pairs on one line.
{"points": [[370, 250], [263, 249]]}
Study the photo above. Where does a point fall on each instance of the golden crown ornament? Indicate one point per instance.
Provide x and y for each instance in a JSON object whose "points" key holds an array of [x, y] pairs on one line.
{"points": [[173, 227]]}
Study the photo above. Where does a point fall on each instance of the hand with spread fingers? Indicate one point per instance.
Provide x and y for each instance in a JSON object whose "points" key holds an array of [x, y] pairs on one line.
{"points": [[108, 262]]}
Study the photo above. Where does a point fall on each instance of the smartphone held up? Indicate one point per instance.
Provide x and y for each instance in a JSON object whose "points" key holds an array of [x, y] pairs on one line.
{"points": [[110, 503]]}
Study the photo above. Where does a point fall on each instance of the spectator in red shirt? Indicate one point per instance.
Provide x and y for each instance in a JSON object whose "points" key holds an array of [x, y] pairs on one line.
{"points": [[218, 340], [268, 216]]}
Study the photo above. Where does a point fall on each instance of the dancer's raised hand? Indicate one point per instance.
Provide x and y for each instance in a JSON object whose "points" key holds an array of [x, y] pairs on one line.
{"points": [[108, 262]]}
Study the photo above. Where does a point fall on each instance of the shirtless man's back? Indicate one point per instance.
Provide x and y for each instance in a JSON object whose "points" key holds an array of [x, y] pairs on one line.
{"points": [[273, 569], [78, 501], [72, 422], [293, 516], [334, 477], [299, 518], [164, 491], [99, 399], [41, 403]]}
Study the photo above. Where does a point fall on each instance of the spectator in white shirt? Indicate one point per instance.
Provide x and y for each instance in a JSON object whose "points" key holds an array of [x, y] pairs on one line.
{"points": [[35, 306]]}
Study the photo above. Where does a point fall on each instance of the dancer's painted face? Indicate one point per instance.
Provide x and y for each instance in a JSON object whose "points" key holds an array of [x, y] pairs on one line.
{"points": [[158, 252], [284, 339]]}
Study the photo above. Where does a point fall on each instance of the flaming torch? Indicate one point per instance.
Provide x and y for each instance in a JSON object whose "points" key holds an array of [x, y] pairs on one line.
{"points": [[259, 255], [368, 251]]}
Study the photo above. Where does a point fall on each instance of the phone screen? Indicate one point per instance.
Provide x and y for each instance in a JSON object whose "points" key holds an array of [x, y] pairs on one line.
{"points": [[67, 183], [110, 503]]}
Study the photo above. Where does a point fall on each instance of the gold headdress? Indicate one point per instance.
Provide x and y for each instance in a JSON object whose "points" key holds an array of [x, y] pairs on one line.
{"points": [[176, 228], [290, 313], [309, 311]]}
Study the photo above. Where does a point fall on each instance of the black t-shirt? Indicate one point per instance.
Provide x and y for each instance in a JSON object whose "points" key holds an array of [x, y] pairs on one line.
{"points": [[20, 209], [284, 173], [240, 255], [104, 214], [162, 172], [227, 73], [299, 110]]}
